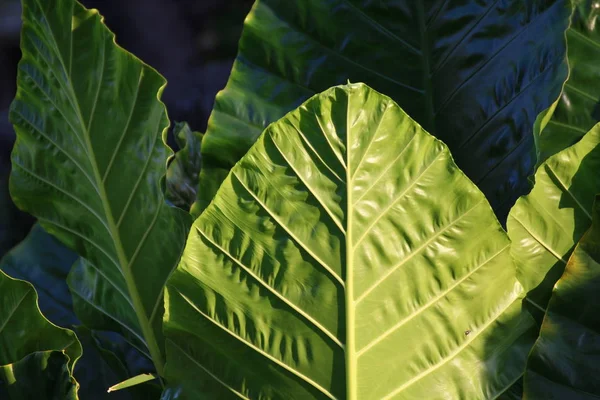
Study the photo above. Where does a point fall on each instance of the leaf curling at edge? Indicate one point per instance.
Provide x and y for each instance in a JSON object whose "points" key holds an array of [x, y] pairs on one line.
{"points": [[43, 375], [321, 267], [89, 160], [476, 77], [31, 346], [545, 225], [576, 110], [43, 261], [563, 361]]}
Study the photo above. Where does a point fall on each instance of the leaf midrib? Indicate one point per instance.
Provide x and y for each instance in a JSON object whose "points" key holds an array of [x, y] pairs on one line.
{"points": [[350, 345], [147, 330]]}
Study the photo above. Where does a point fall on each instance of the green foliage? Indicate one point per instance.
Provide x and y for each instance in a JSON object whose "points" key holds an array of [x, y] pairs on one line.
{"points": [[577, 107], [345, 236], [563, 363], [184, 169], [474, 74], [100, 191], [339, 253], [545, 225], [34, 353]]}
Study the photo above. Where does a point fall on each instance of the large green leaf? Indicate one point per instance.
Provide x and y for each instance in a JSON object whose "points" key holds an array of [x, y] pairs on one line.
{"points": [[89, 160], [545, 225], [28, 342], [564, 361], [577, 108], [474, 73], [346, 256]]}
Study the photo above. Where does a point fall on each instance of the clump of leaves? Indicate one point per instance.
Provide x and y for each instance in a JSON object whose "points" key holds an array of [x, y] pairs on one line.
{"points": [[338, 250]]}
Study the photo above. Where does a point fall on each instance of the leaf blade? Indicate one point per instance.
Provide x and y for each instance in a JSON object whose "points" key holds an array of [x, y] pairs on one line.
{"points": [[271, 210], [109, 155], [423, 56]]}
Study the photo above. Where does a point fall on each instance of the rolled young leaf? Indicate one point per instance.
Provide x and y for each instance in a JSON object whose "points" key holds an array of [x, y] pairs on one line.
{"points": [[475, 74], [346, 256], [564, 361], [545, 225], [184, 168], [28, 342], [577, 108], [89, 159]]}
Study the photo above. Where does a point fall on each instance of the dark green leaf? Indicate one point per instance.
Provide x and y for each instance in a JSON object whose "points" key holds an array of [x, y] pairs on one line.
{"points": [[43, 375], [44, 262], [564, 361], [26, 340], [578, 108], [474, 74]]}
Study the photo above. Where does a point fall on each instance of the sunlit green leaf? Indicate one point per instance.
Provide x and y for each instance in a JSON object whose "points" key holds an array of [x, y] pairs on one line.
{"points": [[545, 225], [346, 256]]}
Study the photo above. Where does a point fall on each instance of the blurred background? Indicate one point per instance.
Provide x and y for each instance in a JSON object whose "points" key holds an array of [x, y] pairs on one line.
{"points": [[191, 42]]}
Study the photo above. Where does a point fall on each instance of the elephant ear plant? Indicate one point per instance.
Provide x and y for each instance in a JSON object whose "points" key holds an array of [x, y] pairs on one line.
{"points": [[345, 237], [338, 251], [88, 163]]}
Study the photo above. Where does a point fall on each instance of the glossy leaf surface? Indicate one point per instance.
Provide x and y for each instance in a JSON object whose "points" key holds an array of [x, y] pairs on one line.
{"points": [[564, 361], [545, 225], [346, 256], [89, 158], [475, 74], [577, 109], [24, 332], [184, 169]]}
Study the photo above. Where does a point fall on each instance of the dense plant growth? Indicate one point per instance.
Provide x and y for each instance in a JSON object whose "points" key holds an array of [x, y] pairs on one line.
{"points": [[321, 240]]}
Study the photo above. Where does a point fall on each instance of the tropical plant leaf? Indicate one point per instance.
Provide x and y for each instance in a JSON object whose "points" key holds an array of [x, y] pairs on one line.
{"points": [[42, 375], [577, 109], [545, 225], [89, 159], [564, 361], [474, 74], [346, 256], [29, 343], [184, 168], [131, 382]]}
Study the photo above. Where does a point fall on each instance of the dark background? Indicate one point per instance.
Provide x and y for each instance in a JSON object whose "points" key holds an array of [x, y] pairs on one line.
{"points": [[191, 42]]}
